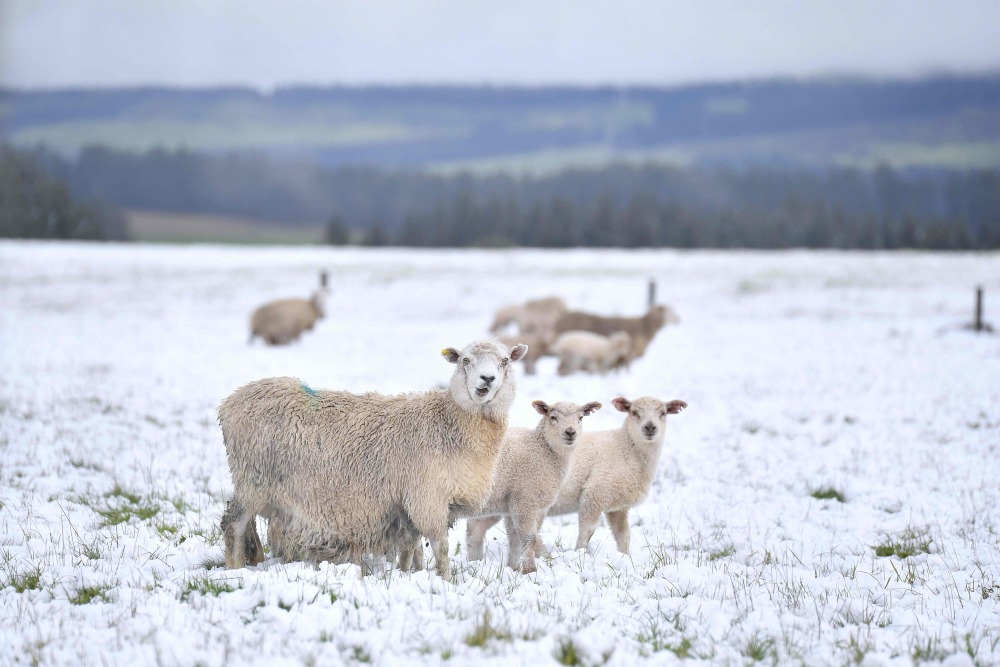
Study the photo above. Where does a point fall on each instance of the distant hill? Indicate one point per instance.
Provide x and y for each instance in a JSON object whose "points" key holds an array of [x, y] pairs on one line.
{"points": [[936, 122]]}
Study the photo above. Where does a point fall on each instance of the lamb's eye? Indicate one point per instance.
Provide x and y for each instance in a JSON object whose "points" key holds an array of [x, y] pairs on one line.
{"points": [[553, 418], [635, 414], [504, 362], [466, 361]]}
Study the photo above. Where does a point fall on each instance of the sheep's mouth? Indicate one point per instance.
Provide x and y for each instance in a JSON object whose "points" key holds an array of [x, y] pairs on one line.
{"points": [[482, 391]]}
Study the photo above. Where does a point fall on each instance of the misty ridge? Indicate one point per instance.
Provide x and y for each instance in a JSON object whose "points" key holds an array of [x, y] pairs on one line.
{"points": [[840, 163]]}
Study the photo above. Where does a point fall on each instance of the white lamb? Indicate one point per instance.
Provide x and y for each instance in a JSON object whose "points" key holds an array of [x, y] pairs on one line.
{"points": [[347, 474], [590, 352], [529, 472], [611, 471]]}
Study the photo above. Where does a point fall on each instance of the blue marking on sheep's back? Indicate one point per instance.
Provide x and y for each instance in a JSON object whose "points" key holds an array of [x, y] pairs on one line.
{"points": [[309, 390]]}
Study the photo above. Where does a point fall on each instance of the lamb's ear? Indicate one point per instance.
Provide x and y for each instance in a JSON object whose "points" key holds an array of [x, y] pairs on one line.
{"points": [[622, 404], [451, 354], [673, 407], [518, 351], [590, 408], [541, 407]]}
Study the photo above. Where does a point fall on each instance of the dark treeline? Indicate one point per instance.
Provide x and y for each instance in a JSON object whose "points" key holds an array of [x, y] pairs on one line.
{"points": [[34, 205], [647, 222], [620, 205]]}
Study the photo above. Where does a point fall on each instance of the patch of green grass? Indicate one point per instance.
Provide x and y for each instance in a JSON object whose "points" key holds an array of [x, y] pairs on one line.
{"points": [[908, 543], [130, 505], [566, 654], [486, 631], [206, 586], [88, 594], [828, 493], [26, 581], [724, 552], [760, 648]]}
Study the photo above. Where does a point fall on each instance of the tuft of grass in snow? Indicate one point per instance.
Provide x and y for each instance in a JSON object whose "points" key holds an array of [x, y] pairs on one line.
{"points": [[88, 594], [25, 581], [130, 505], [908, 543], [206, 586], [760, 648], [828, 493], [485, 631], [566, 653]]}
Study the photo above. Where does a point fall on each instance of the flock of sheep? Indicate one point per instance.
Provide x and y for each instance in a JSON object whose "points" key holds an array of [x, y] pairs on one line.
{"points": [[343, 477], [582, 341]]}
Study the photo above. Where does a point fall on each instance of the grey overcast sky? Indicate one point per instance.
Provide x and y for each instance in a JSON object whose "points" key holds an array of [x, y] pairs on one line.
{"points": [[268, 43]]}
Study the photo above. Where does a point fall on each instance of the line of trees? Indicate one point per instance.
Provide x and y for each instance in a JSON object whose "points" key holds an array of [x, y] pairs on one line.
{"points": [[34, 205], [646, 222]]}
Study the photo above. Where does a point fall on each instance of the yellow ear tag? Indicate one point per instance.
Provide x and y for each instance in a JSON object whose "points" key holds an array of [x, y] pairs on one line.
{"points": [[444, 352]]}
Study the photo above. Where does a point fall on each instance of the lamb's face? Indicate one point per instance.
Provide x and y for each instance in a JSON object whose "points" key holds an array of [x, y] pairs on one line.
{"points": [[483, 368], [564, 421], [647, 417]]}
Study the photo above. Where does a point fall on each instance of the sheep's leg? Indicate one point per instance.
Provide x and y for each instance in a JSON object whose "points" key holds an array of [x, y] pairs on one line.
{"points": [[540, 548], [589, 518], [235, 521], [475, 535], [521, 532], [252, 545], [618, 520]]}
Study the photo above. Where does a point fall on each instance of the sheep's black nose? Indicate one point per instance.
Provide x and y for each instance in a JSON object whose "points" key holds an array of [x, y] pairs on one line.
{"points": [[488, 378], [649, 428], [570, 433]]}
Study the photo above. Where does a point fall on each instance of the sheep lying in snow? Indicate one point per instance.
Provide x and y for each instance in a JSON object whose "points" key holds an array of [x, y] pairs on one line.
{"points": [[281, 322], [531, 467], [641, 329], [611, 471], [590, 352], [347, 474], [533, 316]]}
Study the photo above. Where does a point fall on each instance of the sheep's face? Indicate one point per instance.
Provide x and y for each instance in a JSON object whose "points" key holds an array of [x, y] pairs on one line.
{"points": [[564, 421], [647, 416], [483, 367]]}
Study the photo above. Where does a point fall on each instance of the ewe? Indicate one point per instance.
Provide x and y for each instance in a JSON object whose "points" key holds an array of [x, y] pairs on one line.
{"points": [[281, 322], [611, 471], [531, 467], [348, 474]]}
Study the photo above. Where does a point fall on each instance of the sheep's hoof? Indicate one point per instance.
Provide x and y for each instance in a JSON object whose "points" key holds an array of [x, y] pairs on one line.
{"points": [[527, 569]]}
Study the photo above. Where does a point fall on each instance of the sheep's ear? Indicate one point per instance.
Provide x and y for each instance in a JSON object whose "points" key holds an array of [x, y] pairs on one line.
{"points": [[591, 407], [622, 404], [673, 407], [451, 354], [518, 351], [541, 407]]}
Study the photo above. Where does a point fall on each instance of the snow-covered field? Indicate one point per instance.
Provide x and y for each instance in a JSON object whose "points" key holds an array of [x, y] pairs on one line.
{"points": [[807, 374]]}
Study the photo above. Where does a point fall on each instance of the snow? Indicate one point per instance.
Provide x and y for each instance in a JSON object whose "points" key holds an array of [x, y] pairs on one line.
{"points": [[804, 371]]}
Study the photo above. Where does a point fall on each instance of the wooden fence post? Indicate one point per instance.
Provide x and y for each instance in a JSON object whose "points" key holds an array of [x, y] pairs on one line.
{"points": [[979, 308]]}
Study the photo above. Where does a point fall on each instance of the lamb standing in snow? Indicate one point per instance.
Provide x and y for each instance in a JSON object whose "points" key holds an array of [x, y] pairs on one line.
{"points": [[591, 352], [281, 322], [611, 471], [531, 467], [348, 474]]}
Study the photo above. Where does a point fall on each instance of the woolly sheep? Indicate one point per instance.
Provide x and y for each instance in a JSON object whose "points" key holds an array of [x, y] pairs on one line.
{"points": [[590, 352], [530, 469], [611, 471], [641, 329], [538, 346], [347, 474], [281, 322], [534, 316]]}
